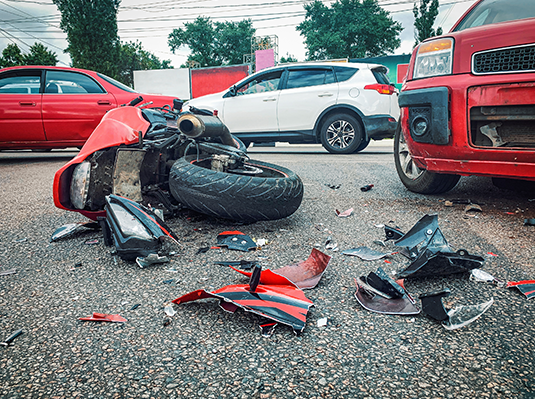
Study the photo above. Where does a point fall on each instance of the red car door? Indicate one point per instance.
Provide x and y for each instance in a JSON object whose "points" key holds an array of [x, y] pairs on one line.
{"points": [[20, 107], [73, 105]]}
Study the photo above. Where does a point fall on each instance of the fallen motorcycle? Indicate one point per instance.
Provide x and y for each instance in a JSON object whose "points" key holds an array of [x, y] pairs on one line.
{"points": [[171, 160]]}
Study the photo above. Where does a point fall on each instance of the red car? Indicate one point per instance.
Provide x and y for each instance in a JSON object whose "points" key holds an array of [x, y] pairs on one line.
{"points": [[468, 102], [44, 107]]}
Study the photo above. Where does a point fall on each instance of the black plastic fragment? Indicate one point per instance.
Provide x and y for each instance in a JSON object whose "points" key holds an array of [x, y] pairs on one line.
{"points": [[255, 278], [242, 264], [432, 304], [393, 233]]}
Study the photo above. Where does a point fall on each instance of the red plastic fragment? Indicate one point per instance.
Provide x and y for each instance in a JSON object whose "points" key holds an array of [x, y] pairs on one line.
{"points": [[526, 287], [113, 318], [303, 275]]}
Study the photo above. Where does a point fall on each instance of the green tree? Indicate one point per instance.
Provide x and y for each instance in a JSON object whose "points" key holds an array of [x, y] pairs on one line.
{"points": [[287, 59], [91, 28], [134, 57], [222, 43], [349, 29], [40, 55], [11, 56], [425, 16]]}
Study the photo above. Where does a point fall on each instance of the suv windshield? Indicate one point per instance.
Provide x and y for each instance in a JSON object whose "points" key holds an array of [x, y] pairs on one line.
{"points": [[495, 11]]}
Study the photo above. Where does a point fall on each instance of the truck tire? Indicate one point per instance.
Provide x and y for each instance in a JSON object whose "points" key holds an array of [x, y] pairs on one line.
{"points": [[274, 194], [415, 179]]}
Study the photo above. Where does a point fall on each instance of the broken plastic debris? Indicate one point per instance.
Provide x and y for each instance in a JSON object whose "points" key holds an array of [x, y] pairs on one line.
{"points": [[463, 315], [344, 214], [455, 318], [322, 322], [369, 300], [282, 303], [151, 259], [169, 310], [365, 253], [393, 233], [529, 222], [367, 187], [9, 340], [526, 287], [235, 240], [483, 276], [333, 186], [21, 240], [331, 245], [304, 275], [431, 254], [260, 242], [268, 329], [137, 305], [71, 228], [7, 272], [91, 242], [113, 318]]}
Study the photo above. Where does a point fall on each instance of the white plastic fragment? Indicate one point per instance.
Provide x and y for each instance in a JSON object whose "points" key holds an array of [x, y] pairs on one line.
{"points": [[461, 316], [322, 322], [169, 311]]}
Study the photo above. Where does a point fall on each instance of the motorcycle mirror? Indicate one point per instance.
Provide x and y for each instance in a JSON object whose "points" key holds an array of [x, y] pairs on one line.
{"points": [[177, 104]]}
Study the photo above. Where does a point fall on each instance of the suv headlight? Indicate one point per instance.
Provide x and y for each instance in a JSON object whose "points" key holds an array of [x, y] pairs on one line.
{"points": [[80, 184], [434, 58]]}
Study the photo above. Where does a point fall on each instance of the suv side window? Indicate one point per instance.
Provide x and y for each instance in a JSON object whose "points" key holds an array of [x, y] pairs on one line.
{"points": [[309, 77], [261, 83], [70, 83], [21, 83], [344, 73]]}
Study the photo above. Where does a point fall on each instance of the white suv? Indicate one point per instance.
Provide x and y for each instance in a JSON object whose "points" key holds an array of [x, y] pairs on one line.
{"points": [[340, 105]]}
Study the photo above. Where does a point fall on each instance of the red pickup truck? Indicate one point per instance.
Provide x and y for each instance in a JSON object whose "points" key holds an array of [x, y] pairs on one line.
{"points": [[468, 101]]}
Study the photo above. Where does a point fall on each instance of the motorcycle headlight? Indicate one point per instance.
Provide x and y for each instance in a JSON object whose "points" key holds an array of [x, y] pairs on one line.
{"points": [[434, 58], [129, 225], [80, 184]]}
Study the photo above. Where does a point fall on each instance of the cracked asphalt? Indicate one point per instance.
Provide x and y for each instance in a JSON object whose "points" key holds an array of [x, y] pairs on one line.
{"points": [[205, 352]]}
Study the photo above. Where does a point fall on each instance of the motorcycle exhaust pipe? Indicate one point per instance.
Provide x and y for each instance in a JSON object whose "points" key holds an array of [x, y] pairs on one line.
{"points": [[197, 126]]}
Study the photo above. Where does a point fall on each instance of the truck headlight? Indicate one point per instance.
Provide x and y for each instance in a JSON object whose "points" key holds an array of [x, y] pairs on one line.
{"points": [[434, 58], [80, 184]]}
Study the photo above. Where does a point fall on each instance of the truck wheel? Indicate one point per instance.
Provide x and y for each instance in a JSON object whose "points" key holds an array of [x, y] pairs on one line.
{"points": [[341, 134], [272, 193], [415, 179]]}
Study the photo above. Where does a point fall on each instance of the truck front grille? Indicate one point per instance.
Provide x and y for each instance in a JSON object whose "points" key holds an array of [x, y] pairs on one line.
{"points": [[504, 60]]}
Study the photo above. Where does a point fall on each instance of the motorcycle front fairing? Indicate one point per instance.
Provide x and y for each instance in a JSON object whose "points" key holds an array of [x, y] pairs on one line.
{"points": [[119, 127]]}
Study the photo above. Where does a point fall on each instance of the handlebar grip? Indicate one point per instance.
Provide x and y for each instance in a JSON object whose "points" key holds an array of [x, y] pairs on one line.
{"points": [[135, 101]]}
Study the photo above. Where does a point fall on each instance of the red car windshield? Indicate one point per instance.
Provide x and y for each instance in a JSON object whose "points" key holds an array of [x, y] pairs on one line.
{"points": [[494, 11]]}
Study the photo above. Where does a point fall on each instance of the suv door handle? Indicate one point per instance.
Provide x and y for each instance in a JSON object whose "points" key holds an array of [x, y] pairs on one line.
{"points": [[325, 95], [30, 103], [269, 99], [104, 102]]}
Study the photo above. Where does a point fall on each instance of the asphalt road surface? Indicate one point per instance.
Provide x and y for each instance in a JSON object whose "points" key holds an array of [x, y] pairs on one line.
{"points": [[207, 353]]}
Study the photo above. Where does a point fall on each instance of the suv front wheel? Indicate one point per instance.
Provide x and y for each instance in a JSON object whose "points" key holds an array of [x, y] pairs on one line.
{"points": [[415, 179], [341, 134]]}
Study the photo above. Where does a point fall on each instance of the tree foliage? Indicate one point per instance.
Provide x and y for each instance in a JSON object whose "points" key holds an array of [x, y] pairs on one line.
{"points": [[348, 29], [91, 28], [38, 55], [288, 58], [425, 16], [214, 44], [133, 57]]}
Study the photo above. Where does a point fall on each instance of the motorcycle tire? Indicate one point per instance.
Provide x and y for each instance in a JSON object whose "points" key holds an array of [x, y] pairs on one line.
{"points": [[274, 194]]}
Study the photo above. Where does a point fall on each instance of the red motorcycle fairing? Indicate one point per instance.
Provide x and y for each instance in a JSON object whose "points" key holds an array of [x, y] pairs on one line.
{"points": [[283, 303], [119, 126]]}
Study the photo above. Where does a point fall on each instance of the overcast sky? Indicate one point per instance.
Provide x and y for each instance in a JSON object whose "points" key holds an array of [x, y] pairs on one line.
{"points": [[25, 22]]}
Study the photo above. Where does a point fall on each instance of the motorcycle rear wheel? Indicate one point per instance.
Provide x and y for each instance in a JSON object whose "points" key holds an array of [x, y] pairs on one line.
{"points": [[274, 194]]}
